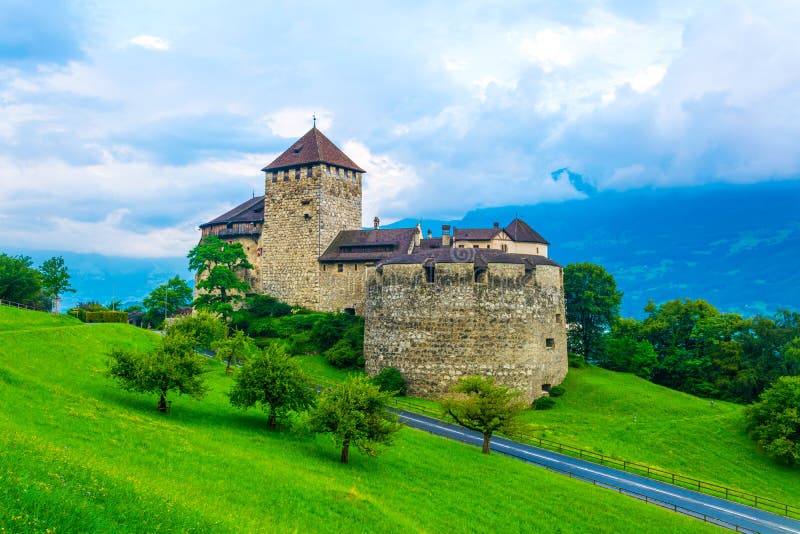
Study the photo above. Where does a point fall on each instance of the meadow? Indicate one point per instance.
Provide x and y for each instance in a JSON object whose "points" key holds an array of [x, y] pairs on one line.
{"points": [[77, 454]]}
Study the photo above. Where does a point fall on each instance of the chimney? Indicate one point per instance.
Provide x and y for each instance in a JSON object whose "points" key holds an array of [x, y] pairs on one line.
{"points": [[445, 235], [377, 222], [497, 225], [418, 234]]}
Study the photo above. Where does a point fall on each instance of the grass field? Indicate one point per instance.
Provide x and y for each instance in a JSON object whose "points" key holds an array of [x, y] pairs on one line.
{"points": [[626, 417], [79, 455]]}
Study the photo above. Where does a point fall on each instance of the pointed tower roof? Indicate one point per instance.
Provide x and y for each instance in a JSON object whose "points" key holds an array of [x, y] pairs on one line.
{"points": [[518, 230], [312, 148]]}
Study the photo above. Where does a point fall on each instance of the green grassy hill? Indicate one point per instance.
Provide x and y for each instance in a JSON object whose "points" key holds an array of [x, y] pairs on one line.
{"points": [[624, 416], [79, 455]]}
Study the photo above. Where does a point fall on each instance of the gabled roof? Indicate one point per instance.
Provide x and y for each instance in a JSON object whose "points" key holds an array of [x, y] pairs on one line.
{"points": [[518, 230], [475, 234], [369, 245], [250, 211], [312, 148]]}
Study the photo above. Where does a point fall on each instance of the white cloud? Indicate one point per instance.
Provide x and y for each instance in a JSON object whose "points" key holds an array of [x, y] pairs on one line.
{"points": [[648, 78], [388, 183], [295, 121], [151, 42]]}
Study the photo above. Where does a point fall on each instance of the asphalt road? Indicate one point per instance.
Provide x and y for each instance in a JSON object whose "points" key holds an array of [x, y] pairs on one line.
{"points": [[719, 511]]}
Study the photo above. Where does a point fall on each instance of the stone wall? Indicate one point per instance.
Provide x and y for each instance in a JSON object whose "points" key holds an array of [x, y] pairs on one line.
{"points": [[302, 215], [343, 289], [509, 324]]}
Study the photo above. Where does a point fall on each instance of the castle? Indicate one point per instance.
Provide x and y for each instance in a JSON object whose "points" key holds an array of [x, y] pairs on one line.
{"points": [[483, 301]]}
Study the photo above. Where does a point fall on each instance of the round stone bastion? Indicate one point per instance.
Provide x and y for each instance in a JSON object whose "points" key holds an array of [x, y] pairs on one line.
{"points": [[442, 314]]}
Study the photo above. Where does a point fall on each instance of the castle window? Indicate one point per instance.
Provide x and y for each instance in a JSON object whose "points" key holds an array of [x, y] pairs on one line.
{"points": [[537, 250], [488, 246], [339, 267], [324, 267], [430, 273], [297, 174], [558, 317], [355, 266], [504, 248], [481, 276], [476, 246], [550, 343], [309, 172], [460, 246], [274, 177], [546, 387]]}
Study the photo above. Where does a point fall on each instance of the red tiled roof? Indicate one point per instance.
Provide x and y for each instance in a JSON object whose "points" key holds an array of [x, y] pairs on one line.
{"points": [[250, 211], [369, 245], [518, 230], [312, 148]]}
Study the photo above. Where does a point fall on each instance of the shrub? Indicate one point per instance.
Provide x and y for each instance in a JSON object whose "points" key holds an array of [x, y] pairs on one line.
{"points": [[544, 403], [267, 306], [203, 328], [390, 379], [343, 356], [102, 316], [557, 391], [774, 421]]}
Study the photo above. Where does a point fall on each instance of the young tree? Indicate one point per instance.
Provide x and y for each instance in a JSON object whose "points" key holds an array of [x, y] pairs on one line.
{"points": [[19, 281], [235, 348], [774, 422], [479, 404], [215, 263], [204, 329], [55, 279], [165, 300], [172, 366], [276, 382], [592, 303], [355, 414]]}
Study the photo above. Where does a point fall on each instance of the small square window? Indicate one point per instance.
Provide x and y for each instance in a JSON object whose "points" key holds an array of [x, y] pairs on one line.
{"points": [[476, 246], [339, 267], [550, 343]]}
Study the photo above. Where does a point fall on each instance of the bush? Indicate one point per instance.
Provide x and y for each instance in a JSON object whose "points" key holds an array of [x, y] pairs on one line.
{"points": [[544, 403], [102, 316], [390, 379], [557, 391], [266, 306], [343, 356], [774, 421], [203, 328]]}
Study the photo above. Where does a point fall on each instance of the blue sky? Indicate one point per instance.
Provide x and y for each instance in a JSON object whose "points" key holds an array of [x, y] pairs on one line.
{"points": [[123, 126]]}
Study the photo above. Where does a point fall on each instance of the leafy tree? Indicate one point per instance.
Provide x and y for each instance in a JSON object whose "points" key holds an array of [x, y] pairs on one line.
{"points": [[203, 328], [479, 404], [274, 381], [630, 356], [172, 366], [234, 349], [216, 263], [774, 422], [19, 281], [55, 278], [165, 300], [355, 414], [592, 303]]}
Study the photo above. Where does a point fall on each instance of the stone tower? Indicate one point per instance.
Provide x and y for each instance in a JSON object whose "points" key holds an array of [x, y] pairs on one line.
{"points": [[313, 191]]}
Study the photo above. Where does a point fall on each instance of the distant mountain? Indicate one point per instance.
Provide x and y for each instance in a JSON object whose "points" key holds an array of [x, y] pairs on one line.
{"points": [[737, 246], [100, 278]]}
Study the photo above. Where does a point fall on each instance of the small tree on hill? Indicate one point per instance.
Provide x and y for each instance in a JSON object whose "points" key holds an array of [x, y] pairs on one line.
{"points": [[355, 414], [274, 381], [234, 349], [215, 263], [165, 300], [172, 366], [204, 329], [479, 404], [55, 279], [774, 422]]}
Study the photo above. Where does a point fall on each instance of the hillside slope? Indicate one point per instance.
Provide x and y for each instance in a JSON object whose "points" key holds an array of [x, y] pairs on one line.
{"points": [[78, 454]]}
